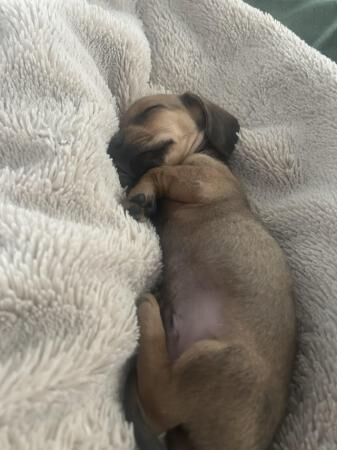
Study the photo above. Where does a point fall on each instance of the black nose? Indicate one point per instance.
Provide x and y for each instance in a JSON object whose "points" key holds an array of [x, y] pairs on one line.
{"points": [[115, 145], [120, 156], [125, 180]]}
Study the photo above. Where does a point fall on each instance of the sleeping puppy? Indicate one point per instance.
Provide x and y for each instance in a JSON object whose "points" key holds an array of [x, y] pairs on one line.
{"points": [[165, 129], [216, 353]]}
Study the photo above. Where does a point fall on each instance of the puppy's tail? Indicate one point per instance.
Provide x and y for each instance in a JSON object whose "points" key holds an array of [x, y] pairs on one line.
{"points": [[145, 438]]}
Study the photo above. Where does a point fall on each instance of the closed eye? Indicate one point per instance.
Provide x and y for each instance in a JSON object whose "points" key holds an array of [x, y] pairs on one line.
{"points": [[145, 114], [150, 108]]}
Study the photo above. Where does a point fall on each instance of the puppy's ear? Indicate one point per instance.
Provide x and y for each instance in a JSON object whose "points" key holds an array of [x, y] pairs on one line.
{"points": [[219, 126]]}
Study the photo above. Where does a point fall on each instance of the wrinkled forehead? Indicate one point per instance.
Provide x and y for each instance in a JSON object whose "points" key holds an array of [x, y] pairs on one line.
{"points": [[145, 104]]}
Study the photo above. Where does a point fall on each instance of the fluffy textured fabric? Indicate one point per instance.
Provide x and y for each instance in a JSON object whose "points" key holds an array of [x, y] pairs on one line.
{"points": [[72, 262]]}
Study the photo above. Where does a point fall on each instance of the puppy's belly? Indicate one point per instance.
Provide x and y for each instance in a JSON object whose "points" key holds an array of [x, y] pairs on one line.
{"points": [[197, 315]]}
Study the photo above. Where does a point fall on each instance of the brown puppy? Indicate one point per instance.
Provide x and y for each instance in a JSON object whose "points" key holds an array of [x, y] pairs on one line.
{"points": [[215, 362], [165, 129]]}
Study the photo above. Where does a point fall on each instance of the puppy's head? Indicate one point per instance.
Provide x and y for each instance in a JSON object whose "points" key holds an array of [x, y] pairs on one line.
{"points": [[165, 129]]}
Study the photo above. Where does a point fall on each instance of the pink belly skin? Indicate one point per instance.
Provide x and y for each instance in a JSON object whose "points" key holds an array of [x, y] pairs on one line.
{"points": [[193, 317]]}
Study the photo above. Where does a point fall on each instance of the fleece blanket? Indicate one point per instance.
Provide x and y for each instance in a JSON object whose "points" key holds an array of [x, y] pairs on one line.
{"points": [[72, 262], [315, 21]]}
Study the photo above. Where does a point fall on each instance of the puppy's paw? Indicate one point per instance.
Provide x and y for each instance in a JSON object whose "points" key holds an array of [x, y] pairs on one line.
{"points": [[147, 309], [134, 210], [146, 298], [141, 206]]}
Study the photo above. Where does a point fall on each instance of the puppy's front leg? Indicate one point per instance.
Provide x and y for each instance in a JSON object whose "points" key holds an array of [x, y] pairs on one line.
{"points": [[155, 184], [199, 180]]}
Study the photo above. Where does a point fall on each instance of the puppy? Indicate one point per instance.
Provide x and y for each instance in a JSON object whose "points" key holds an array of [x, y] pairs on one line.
{"points": [[165, 129], [216, 352]]}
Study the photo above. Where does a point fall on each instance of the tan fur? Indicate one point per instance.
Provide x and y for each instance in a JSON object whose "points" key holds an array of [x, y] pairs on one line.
{"points": [[227, 391], [171, 122]]}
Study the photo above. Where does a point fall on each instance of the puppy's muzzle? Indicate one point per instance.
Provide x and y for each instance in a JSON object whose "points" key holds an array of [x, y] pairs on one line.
{"points": [[121, 159]]}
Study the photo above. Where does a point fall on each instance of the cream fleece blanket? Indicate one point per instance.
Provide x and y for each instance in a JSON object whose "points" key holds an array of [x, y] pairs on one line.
{"points": [[72, 262]]}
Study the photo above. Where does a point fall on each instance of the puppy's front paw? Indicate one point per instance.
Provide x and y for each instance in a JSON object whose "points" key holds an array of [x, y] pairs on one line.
{"points": [[141, 206], [135, 211]]}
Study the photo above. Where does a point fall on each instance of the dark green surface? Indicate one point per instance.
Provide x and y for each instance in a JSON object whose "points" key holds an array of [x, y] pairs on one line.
{"points": [[315, 21]]}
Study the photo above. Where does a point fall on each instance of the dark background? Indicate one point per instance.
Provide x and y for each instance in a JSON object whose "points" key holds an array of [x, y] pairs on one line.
{"points": [[315, 21]]}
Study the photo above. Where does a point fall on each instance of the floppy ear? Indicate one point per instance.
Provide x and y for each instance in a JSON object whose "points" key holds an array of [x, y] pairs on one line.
{"points": [[219, 126]]}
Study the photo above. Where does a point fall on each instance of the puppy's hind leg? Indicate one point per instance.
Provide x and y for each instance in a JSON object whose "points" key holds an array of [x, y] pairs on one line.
{"points": [[156, 386], [225, 381]]}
